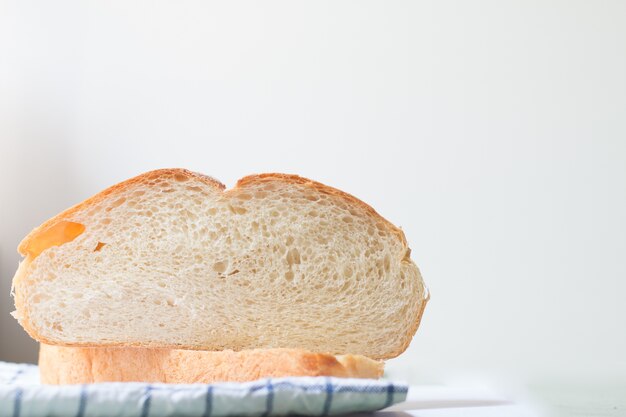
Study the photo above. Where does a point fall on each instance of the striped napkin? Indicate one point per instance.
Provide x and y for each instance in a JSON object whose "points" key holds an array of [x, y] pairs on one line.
{"points": [[21, 394]]}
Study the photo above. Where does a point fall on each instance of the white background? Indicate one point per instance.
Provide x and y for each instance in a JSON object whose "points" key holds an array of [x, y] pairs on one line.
{"points": [[493, 132]]}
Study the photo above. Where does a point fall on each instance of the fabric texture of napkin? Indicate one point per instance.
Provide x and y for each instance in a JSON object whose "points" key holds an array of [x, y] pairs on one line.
{"points": [[21, 394]]}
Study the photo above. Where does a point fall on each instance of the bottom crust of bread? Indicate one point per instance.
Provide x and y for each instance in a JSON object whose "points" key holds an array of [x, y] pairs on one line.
{"points": [[77, 365]]}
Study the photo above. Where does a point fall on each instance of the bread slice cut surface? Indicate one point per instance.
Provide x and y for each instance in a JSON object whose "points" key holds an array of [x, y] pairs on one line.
{"points": [[170, 259]]}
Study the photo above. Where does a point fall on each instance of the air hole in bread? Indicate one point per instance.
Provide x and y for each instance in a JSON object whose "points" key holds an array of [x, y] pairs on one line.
{"points": [[237, 209], [293, 257], [37, 298], [116, 203], [322, 240], [387, 263], [99, 246], [220, 266]]}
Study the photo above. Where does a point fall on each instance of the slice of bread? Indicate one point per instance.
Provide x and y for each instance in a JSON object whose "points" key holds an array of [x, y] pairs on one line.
{"points": [[170, 259], [73, 365]]}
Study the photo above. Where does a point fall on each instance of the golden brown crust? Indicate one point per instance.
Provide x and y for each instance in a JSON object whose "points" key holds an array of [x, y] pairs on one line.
{"points": [[146, 179], [67, 365]]}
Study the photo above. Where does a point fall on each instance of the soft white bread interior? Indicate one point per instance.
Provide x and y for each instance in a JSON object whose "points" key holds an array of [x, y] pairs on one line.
{"points": [[170, 259], [73, 365]]}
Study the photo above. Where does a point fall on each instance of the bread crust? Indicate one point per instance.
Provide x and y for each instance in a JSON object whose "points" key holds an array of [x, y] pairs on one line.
{"points": [[72, 365], [21, 312]]}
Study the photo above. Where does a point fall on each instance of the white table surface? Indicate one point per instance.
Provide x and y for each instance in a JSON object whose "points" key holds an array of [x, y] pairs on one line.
{"points": [[444, 401], [575, 397]]}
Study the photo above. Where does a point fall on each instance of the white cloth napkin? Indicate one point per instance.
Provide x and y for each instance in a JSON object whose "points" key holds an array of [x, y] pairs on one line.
{"points": [[21, 394]]}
